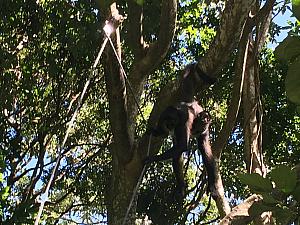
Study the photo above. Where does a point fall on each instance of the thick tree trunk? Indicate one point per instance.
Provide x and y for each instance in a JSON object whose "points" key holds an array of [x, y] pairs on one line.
{"points": [[253, 116], [126, 162], [123, 182], [233, 110], [253, 125], [123, 178]]}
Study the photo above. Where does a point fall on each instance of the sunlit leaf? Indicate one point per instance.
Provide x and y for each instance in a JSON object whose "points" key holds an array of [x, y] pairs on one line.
{"points": [[288, 49], [4, 193], [256, 182], [140, 2], [296, 193], [296, 8], [292, 82]]}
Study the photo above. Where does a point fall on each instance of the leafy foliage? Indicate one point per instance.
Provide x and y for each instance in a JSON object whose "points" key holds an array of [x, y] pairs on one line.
{"points": [[296, 8], [46, 51], [289, 51], [282, 199]]}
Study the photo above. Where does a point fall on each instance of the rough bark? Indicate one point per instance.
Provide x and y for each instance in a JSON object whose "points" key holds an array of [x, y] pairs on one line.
{"points": [[121, 184], [252, 105], [148, 55], [236, 96], [233, 110], [126, 166], [253, 117], [251, 94], [241, 214], [232, 22], [240, 70], [116, 89]]}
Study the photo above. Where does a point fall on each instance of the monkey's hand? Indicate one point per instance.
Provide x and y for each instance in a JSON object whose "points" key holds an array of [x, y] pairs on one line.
{"points": [[213, 191], [149, 131], [157, 132]]}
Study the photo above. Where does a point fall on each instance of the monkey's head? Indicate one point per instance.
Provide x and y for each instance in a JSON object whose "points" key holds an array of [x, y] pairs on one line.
{"points": [[201, 123], [205, 117], [170, 123]]}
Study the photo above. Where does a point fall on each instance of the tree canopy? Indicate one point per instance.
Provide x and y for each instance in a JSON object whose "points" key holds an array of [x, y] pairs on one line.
{"points": [[47, 52]]}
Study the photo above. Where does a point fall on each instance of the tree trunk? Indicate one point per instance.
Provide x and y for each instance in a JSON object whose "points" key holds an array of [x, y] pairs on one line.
{"points": [[253, 125], [253, 116], [122, 185], [124, 174]]}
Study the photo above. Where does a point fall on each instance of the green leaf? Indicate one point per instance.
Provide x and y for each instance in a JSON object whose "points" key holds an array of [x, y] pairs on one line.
{"points": [[140, 2], [283, 216], [259, 208], [285, 178], [296, 193], [256, 182], [288, 49], [268, 198], [292, 82], [4, 193], [296, 8]]}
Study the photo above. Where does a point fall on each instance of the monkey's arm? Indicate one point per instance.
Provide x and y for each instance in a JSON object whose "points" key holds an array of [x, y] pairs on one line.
{"points": [[164, 156], [208, 160], [180, 145], [178, 170]]}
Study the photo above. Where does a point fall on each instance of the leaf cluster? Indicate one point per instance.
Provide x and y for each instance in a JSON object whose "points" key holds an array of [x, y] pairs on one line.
{"points": [[280, 192], [289, 52]]}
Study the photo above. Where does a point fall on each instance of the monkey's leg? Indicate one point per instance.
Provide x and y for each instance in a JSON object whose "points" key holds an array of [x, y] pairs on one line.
{"points": [[179, 174], [180, 145]]}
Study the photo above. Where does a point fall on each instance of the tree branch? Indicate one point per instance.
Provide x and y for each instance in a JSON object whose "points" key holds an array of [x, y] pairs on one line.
{"points": [[236, 95], [158, 50], [233, 20], [152, 56], [240, 214], [135, 28], [117, 96]]}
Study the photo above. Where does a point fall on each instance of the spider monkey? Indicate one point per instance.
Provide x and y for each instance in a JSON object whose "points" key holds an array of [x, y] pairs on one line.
{"points": [[186, 119]]}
